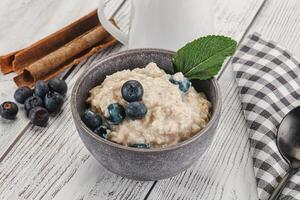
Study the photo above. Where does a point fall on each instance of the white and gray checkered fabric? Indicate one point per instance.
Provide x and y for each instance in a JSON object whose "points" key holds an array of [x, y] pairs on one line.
{"points": [[269, 86]]}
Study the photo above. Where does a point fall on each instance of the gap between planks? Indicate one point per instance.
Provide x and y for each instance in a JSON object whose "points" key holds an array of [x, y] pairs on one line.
{"points": [[244, 35], [64, 76], [225, 66], [277, 21], [152, 187]]}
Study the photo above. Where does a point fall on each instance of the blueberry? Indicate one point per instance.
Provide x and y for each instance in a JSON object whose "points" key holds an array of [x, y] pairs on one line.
{"points": [[173, 81], [102, 131], [140, 146], [32, 102], [184, 85], [132, 91], [22, 93], [39, 116], [91, 119], [9, 110], [116, 113], [53, 101], [58, 85], [41, 89], [136, 110]]}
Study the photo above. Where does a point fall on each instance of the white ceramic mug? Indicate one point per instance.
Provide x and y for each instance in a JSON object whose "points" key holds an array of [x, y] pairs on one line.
{"points": [[167, 24]]}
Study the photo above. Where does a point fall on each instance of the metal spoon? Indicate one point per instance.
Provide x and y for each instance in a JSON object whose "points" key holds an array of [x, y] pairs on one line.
{"points": [[288, 142]]}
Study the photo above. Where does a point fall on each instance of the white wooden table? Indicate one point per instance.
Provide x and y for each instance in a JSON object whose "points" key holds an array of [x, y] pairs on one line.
{"points": [[52, 162]]}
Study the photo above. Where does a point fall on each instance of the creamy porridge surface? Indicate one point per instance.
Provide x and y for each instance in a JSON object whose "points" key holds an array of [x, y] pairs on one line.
{"points": [[173, 116]]}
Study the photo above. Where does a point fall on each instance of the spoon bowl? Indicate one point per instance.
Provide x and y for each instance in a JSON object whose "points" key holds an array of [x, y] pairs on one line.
{"points": [[288, 143], [288, 138]]}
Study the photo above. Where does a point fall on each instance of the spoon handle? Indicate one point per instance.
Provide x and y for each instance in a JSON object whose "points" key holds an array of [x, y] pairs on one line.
{"points": [[276, 193]]}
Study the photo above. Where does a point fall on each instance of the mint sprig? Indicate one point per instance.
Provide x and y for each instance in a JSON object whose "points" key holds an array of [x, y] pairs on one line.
{"points": [[204, 57]]}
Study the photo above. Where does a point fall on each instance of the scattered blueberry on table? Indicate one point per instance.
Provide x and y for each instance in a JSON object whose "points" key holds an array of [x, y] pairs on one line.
{"points": [[47, 97], [39, 116], [9, 110], [22, 93], [41, 88], [53, 101], [132, 90], [58, 85], [32, 102]]}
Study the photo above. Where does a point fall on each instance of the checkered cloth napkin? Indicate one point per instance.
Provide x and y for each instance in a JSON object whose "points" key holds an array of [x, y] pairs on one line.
{"points": [[269, 87]]}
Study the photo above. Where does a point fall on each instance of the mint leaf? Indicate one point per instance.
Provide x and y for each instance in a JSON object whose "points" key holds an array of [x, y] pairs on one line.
{"points": [[204, 57]]}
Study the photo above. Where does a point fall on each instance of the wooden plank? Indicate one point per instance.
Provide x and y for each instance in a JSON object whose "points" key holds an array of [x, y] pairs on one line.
{"points": [[43, 177], [15, 20], [279, 21], [24, 22], [225, 172], [58, 155], [52, 162]]}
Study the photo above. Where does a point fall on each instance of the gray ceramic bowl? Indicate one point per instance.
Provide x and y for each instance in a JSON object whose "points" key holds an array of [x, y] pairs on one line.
{"points": [[142, 164]]}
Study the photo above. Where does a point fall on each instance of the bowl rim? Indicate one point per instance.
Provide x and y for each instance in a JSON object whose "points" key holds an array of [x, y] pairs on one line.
{"points": [[201, 133]]}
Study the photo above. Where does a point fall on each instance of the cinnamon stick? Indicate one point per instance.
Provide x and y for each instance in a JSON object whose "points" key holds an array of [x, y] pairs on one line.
{"points": [[17, 61], [6, 63], [57, 52], [39, 69], [27, 79]]}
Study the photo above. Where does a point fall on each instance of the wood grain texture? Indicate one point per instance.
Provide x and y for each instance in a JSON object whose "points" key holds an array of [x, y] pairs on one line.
{"points": [[225, 170], [52, 162], [55, 156], [19, 28], [280, 21], [27, 21], [41, 174]]}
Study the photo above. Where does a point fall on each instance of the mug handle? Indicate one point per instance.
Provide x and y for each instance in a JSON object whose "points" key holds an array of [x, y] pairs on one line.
{"points": [[114, 31]]}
